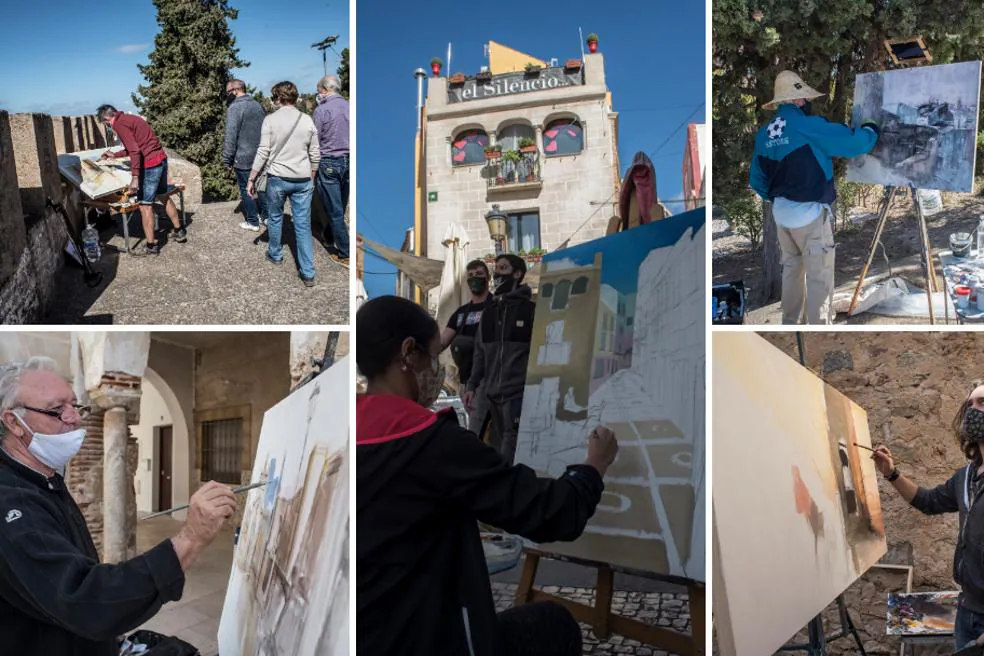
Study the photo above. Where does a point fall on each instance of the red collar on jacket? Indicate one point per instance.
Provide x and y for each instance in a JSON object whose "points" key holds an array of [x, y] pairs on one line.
{"points": [[386, 417]]}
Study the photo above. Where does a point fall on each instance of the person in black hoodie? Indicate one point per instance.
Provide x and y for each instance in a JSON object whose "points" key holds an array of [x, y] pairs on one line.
{"points": [[960, 494], [423, 483], [502, 349], [55, 595]]}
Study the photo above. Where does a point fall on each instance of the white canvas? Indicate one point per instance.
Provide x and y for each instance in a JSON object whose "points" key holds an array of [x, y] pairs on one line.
{"points": [[288, 590], [618, 339], [928, 120], [793, 526], [96, 179]]}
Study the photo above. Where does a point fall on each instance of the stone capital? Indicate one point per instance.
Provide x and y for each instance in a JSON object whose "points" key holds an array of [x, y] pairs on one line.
{"points": [[118, 390]]}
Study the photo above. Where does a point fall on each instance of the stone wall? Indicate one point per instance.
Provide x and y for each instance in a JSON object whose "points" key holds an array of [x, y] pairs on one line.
{"points": [[84, 479], [911, 385]]}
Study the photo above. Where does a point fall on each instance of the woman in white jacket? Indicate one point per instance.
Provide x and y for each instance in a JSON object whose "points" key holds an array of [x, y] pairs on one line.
{"points": [[289, 154]]}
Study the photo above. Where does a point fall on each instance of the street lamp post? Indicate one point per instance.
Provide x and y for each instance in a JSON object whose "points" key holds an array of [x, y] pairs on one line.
{"points": [[498, 227]]}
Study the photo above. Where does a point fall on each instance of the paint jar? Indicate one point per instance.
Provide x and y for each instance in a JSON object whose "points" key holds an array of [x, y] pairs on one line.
{"points": [[963, 296]]}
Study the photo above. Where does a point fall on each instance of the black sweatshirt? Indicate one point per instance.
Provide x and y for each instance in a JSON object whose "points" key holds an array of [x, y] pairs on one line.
{"points": [[422, 484], [957, 495], [55, 596]]}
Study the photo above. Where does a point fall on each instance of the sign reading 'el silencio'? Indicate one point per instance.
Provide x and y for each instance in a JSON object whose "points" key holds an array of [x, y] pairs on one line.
{"points": [[504, 85]]}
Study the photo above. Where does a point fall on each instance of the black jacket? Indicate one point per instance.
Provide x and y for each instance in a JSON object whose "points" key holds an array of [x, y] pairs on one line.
{"points": [[422, 585], [502, 345], [55, 596], [956, 495]]}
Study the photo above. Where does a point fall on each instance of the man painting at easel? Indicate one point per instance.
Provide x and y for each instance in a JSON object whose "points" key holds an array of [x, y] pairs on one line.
{"points": [[792, 168], [959, 494]]}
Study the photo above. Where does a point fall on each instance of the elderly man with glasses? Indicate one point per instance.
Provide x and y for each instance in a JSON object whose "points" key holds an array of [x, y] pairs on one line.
{"points": [[55, 596]]}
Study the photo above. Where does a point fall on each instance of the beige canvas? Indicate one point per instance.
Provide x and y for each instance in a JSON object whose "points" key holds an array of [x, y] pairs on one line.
{"points": [[796, 513]]}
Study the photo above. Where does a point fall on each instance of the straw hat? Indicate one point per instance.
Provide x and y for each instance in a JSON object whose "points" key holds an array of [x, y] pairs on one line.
{"points": [[790, 86]]}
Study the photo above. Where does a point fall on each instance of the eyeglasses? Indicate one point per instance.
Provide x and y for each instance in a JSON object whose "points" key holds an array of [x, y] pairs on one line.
{"points": [[59, 413]]}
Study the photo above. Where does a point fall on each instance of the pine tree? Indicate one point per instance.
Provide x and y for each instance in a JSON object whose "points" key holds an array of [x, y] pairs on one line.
{"points": [[343, 72], [183, 98]]}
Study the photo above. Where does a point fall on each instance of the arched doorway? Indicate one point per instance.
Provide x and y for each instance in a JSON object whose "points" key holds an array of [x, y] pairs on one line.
{"points": [[168, 411]]}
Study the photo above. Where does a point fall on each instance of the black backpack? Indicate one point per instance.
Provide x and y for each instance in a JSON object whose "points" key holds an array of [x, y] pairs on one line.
{"points": [[162, 645]]}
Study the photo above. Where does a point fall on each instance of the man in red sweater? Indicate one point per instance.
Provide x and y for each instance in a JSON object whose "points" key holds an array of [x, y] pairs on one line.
{"points": [[148, 166]]}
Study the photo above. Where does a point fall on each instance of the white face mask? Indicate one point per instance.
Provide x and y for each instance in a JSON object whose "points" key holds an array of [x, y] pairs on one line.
{"points": [[54, 450]]}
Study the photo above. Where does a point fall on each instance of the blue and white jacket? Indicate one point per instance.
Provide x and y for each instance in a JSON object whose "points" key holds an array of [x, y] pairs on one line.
{"points": [[793, 155]]}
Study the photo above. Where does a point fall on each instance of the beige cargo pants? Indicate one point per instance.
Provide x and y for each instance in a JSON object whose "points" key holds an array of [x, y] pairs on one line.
{"points": [[808, 271]]}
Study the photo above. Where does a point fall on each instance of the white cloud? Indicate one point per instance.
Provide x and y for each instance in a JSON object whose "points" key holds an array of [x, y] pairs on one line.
{"points": [[131, 48]]}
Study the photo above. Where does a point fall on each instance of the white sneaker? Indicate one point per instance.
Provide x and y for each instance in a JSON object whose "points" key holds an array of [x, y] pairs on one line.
{"points": [[246, 226]]}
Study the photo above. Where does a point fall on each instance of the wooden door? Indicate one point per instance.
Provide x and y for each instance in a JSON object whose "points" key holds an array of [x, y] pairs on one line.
{"points": [[164, 460]]}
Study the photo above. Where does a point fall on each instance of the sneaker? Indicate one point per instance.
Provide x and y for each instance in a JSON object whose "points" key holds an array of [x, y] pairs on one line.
{"points": [[270, 259], [246, 225], [152, 248], [263, 221], [179, 235], [308, 282], [337, 259]]}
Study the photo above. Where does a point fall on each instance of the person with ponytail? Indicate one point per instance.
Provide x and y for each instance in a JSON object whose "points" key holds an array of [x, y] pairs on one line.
{"points": [[960, 494], [422, 485]]}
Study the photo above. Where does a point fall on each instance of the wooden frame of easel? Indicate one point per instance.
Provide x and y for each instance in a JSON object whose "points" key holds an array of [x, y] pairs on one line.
{"points": [[932, 284], [600, 617]]}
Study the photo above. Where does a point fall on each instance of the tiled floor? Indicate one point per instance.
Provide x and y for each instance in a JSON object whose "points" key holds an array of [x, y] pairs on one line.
{"points": [[195, 618]]}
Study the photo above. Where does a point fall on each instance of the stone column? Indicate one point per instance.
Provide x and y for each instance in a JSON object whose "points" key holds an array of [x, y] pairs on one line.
{"points": [[115, 538]]}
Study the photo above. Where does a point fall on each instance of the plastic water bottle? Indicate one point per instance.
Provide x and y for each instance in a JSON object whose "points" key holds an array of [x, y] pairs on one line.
{"points": [[980, 236], [90, 243]]}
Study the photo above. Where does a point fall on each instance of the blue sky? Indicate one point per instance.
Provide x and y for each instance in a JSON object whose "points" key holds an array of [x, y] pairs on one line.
{"points": [[655, 62], [64, 57], [624, 252]]}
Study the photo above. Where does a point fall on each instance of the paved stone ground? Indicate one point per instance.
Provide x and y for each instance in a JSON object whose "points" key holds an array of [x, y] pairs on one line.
{"points": [[666, 609], [220, 276]]}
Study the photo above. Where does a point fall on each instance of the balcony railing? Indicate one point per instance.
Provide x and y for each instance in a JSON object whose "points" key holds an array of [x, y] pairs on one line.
{"points": [[504, 171]]}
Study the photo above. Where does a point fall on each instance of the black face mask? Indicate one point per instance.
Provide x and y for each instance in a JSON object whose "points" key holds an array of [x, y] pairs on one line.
{"points": [[478, 285], [973, 425], [230, 97], [504, 284], [807, 107]]}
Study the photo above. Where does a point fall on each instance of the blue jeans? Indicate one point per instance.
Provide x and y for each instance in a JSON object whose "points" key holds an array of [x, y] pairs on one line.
{"points": [[969, 627], [253, 207], [333, 188], [153, 182], [278, 191]]}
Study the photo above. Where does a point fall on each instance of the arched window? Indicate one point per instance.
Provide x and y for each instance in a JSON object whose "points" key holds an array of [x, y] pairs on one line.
{"points": [[580, 286], [510, 136], [560, 298], [547, 290], [469, 148], [563, 137]]}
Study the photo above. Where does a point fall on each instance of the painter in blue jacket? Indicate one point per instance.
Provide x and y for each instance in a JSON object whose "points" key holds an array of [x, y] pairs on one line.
{"points": [[792, 168]]}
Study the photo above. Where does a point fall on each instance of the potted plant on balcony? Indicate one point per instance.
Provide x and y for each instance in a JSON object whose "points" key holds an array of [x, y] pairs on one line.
{"points": [[572, 65], [527, 145], [488, 258], [532, 69], [436, 65], [592, 42], [511, 156], [457, 78], [493, 152], [535, 255], [484, 76]]}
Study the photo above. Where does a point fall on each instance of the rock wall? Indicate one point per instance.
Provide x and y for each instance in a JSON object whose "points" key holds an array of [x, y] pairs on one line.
{"points": [[84, 479], [911, 385]]}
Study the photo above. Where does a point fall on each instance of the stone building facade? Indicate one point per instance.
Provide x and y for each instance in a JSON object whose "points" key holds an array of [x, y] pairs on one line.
{"points": [[569, 175]]}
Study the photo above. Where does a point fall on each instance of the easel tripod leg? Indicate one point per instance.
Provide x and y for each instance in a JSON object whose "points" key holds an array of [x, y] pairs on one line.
{"points": [[882, 217], [695, 595], [603, 601], [524, 591]]}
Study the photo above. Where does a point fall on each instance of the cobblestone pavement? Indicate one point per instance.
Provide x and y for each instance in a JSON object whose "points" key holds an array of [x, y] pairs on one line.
{"points": [[661, 608], [220, 276]]}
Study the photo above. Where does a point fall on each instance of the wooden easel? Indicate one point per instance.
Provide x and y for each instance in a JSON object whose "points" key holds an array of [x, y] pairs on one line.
{"points": [[932, 285], [600, 617]]}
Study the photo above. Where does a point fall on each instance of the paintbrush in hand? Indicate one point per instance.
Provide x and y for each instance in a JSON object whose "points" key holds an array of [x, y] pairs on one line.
{"points": [[868, 448], [235, 490]]}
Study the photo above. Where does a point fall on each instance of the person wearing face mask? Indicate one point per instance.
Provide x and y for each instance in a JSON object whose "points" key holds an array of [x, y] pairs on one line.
{"points": [[502, 349], [55, 595], [331, 118], [422, 485], [960, 494], [792, 168], [244, 118], [289, 155], [460, 333]]}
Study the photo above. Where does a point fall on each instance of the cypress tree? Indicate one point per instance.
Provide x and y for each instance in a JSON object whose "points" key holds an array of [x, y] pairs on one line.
{"points": [[183, 98], [343, 72]]}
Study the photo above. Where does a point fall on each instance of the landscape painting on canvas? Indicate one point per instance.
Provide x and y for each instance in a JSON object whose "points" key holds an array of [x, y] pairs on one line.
{"points": [[288, 590], [94, 177], [928, 121], [791, 447], [922, 613], [618, 339]]}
